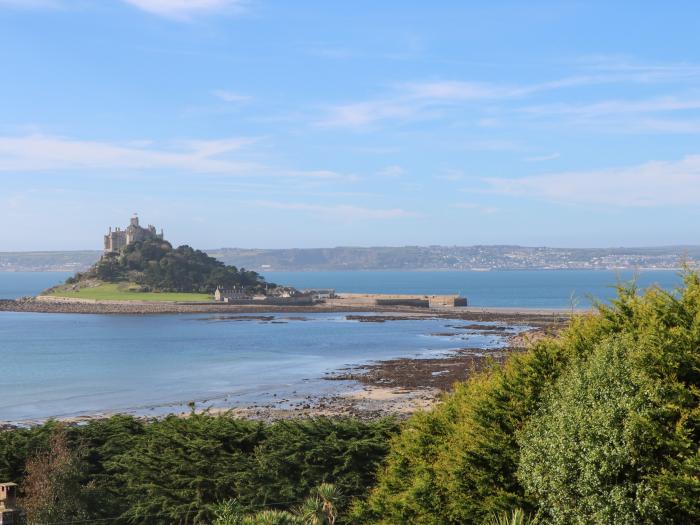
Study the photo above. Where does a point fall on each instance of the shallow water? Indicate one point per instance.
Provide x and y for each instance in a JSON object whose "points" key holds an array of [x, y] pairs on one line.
{"points": [[70, 364]]}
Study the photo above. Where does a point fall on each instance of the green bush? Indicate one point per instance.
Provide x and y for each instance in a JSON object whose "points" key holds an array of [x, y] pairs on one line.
{"points": [[616, 440], [178, 470], [600, 425]]}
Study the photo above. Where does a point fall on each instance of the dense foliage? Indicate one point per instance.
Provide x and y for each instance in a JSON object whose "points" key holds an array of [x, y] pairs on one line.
{"points": [[319, 508], [600, 426], [180, 470], [157, 266]]}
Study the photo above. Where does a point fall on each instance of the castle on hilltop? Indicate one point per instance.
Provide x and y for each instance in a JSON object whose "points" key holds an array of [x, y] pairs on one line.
{"points": [[117, 239]]}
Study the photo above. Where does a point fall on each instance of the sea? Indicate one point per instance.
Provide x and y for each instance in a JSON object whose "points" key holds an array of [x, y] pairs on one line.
{"points": [[68, 365], [517, 288]]}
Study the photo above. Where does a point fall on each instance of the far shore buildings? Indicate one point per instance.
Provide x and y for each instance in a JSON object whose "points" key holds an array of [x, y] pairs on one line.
{"points": [[116, 239]]}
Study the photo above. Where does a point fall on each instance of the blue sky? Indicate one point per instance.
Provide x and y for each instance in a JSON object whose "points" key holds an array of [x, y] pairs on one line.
{"points": [[264, 123]]}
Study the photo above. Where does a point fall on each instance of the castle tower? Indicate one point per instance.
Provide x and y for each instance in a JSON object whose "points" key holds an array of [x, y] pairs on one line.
{"points": [[9, 513], [116, 239]]}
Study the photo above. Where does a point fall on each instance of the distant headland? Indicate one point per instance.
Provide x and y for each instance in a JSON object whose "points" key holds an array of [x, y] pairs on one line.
{"points": [[476, 258]]}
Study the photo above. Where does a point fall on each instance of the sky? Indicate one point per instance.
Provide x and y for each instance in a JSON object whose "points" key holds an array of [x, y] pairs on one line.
{"points": [[279, 124]]}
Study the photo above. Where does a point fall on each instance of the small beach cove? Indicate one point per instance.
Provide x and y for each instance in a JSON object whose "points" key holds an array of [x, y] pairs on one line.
{"points": [[267, 365]]}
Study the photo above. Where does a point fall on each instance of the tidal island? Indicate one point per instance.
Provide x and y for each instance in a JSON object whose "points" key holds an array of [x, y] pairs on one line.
{"points": [[141, 272]]}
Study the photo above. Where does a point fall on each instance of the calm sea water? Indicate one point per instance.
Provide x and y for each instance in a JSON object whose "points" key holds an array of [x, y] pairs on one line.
{"points": [[18, 284], [70, 364], [522, 288], [536, 289]]}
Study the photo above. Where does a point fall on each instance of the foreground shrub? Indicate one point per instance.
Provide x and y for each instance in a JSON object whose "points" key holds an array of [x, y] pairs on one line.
{"points": [[600, 425], [178, 470], [616, 441], [319, 508], [458, 462]]}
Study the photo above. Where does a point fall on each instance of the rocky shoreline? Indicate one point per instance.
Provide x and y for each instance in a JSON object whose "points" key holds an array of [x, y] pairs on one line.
{"points": [[395, 387]]}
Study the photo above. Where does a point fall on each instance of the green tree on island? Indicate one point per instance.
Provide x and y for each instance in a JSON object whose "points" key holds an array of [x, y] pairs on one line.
{"points": [[155, 265]]}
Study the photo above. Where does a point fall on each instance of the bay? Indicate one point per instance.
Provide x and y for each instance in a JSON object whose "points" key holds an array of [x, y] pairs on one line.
{"points": [[517, 288], [61, 365]]}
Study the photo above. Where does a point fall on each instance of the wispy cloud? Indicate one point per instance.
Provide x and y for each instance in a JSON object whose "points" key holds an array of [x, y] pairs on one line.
{"points": [[30, 4], [542, 158], [639, 71], [214, 156], [480, 208], [186, 9], [342, 211], [174, 9], [612, 107], [361, 114], [392, 172], [428, 99], [494, 145], [230, 96], [657, 183], [50, 153], [450, 174]]}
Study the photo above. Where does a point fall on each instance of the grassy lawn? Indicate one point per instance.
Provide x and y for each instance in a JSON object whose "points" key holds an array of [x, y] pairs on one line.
{"points": [[121, 292]]}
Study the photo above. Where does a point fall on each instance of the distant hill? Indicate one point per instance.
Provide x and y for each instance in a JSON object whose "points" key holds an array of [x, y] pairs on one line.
{"points": [[70, 261], [456, 258], [395, 258]]}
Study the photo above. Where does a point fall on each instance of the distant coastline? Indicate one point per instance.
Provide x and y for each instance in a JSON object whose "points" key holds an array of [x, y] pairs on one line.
{"points": [[407, 258]]}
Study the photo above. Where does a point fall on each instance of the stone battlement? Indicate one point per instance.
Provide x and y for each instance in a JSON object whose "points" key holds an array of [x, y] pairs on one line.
{"points": [[117, 239]]}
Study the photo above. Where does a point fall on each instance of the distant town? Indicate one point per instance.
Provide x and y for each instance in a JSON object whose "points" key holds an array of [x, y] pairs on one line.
{"points": [[482, 258]]}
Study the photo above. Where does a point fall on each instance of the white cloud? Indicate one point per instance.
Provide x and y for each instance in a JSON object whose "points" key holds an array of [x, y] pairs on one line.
{"points": [[477, 207], [230, 96], [640, 71], [611, 107], [494, 145], [392, 172], [317, 174], [185, 9], [49, 153], [342, 211], [30, 4], [656, 183], [416, 100], [59, 154], [363, 113], [542, 158], [457, 90], [450, 174]]}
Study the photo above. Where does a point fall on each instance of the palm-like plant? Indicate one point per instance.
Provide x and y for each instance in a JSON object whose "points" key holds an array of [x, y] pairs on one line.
{"points": [[272, 517], [516, 517], [320, 508]]}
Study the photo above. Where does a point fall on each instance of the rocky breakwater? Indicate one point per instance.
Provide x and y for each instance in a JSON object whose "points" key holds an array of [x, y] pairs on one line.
{"points": [[52, 304], [71, 305]]}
